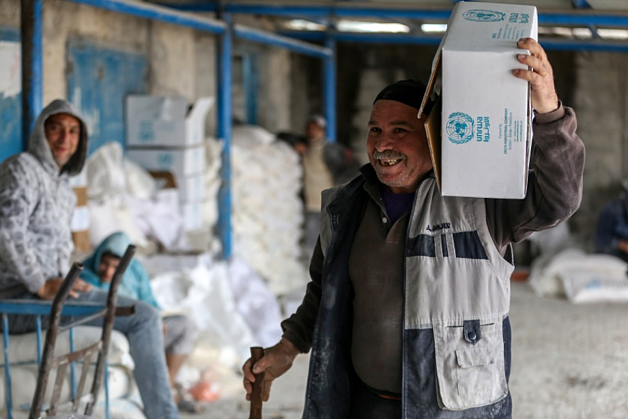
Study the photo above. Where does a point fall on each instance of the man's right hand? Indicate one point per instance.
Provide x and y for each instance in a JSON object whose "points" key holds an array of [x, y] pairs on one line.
{"points": [[276, 361], [49, 290]]}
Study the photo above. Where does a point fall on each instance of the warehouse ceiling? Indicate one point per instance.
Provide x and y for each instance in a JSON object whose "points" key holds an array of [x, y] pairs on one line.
{"points": [[554, 5]]}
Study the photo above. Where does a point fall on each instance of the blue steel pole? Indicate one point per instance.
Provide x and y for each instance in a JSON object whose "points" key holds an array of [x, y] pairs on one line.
{"points": [[224, 133], [38, 320], [250, 88], [7, 369], [329, 89], [31, 29]]}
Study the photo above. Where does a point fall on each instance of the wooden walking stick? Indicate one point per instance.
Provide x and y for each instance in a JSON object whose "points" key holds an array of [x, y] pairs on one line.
{"points": [[257, 352]]}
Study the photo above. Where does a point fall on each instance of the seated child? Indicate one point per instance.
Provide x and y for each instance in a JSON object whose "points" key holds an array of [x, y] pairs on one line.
{"points": [[179, 330]]}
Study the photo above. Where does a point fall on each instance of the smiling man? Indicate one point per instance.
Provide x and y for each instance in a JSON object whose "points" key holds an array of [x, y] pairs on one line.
{"points": [[63, 133], [36, 205], [406, 315]]}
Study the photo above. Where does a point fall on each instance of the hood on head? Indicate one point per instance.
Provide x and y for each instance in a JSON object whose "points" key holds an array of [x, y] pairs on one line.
{"points": [[115, 244], [38, 144]]}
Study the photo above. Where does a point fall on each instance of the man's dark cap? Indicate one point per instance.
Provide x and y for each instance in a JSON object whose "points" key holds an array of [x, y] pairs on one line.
{"points": [[409, 92]]}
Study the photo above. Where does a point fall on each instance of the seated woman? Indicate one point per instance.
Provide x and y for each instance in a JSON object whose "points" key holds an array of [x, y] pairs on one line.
{"points": [[179, 330]]}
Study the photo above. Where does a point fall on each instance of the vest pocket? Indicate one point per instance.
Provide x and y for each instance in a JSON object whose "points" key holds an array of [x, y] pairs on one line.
{"points": [[467, 374]]}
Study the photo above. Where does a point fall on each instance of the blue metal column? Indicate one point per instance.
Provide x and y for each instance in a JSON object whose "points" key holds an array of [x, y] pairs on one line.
{"points": [[329, 89], [249, 71], [7, 367], [224, 133], [31, 32]]}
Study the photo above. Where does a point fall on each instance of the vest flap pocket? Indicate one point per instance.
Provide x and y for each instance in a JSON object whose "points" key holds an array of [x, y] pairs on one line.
{"points": [[473, 357], [469, 375]]}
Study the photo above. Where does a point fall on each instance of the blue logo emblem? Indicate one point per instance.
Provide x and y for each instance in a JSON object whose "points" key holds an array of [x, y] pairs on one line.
{"points": [[483, 15], [459, 128]]}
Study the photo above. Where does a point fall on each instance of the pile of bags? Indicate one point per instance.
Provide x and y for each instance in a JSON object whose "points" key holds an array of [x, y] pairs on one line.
{"points": [[267, 209], [124, 197]]}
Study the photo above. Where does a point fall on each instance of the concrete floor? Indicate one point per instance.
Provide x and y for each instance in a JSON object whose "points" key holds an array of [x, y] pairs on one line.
{"points": [[569, 362]]}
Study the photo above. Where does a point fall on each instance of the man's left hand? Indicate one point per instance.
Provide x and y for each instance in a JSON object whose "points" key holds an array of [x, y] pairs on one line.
{"points": [[540, 76]]}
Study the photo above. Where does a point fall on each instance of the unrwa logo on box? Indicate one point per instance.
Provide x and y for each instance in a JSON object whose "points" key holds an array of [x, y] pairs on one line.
{"points": [[483, 15], [147, 132], [459, 128]]}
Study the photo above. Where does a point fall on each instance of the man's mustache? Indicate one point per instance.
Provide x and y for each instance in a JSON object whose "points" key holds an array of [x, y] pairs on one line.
{"points": [[389, 155]]}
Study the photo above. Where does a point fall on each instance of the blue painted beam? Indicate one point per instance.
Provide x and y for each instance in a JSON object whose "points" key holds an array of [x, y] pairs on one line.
{"points": [[163, 14], [250, 83], [8, 395], [34, 307], [581, 4], [291, 44], [192, 7], [580, 17], [224, 133], [319, 36], [595, 46], [547, 43], [329, 89], [32, 73], [340, 11]]}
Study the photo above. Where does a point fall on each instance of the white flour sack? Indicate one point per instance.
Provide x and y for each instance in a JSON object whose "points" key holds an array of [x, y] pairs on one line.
{"points": [[267, 209]]}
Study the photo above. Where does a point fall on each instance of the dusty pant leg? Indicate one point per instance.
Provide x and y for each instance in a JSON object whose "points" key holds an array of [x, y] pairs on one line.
{"points": [[181, 332], [144, 333]]}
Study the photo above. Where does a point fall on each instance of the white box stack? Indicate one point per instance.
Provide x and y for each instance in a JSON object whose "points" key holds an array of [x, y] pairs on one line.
{"points": [[164, 136]]}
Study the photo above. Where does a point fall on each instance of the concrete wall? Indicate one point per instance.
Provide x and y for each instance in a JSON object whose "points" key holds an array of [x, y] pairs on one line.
{"points": [[181, 60], [600, 100], [10, 15], [275, 68]]}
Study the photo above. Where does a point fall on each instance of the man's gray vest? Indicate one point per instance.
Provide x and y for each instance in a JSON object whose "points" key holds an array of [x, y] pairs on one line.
{"points": [[456, 339]]}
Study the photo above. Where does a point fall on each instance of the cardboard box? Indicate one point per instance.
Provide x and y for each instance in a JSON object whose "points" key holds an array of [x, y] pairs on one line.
{"points": [[182, 162], [81, 195], [162, 121], [81, 241], [481, 139]]}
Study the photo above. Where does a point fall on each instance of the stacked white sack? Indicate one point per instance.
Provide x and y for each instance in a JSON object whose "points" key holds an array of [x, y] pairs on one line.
{"points": [[267, 210]]}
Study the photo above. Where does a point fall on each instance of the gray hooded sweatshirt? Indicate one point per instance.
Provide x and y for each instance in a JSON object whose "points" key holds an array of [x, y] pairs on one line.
{"points": [[36, 205]]}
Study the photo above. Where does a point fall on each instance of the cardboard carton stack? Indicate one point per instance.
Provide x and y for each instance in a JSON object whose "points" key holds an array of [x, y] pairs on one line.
{"points": [[481, 139], [164, 136]]}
